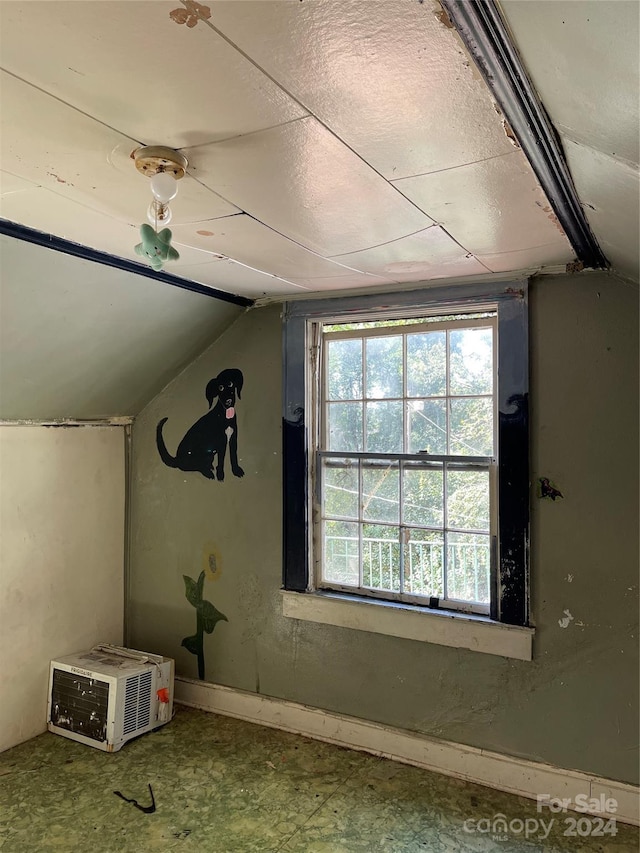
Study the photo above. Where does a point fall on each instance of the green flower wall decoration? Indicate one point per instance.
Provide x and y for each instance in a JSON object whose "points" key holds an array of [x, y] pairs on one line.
{"points": [[207, 617]]}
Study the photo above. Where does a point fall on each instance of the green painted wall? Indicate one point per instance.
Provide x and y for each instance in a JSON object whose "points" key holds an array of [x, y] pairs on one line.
{"points": [[84, 340], [575, 705]]}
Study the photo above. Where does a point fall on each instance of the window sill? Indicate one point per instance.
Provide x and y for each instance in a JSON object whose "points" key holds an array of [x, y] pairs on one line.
{"points": [[464, 631]]}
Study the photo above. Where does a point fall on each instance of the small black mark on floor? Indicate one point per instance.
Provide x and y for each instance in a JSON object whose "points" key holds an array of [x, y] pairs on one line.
{"points": [[146, 809]]}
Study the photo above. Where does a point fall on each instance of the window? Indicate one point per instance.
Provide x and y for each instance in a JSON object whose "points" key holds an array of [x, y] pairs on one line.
{"points": [[405, 449], [404, 460]]}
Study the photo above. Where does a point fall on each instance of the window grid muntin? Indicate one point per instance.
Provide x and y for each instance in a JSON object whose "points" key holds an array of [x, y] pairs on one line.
{"points": [[468, 323], [472, 323]]}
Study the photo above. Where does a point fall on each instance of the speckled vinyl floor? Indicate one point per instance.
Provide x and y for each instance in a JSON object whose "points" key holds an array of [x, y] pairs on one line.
{"points": [[223, 785]]}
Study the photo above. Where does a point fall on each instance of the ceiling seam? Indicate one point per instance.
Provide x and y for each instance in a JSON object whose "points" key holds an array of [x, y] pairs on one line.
{"points": [[388, 242], [310, 113], [72, 107], [452, 168], [243, 135]]}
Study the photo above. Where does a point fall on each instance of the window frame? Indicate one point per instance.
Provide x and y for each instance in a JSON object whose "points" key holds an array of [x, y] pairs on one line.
{"points": [[510, 595], [405, 459]]}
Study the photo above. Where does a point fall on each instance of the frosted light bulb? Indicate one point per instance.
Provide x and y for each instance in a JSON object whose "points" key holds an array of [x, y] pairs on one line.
{"points": [[164, 187], [159, 214]]}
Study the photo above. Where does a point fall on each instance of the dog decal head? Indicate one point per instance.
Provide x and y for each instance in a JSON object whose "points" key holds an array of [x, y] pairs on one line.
{"points": [[230, 379]]}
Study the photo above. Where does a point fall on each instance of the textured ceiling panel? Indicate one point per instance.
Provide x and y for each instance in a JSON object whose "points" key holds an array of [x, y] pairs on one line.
{"points": [[319, 133], [610, 194], [556, 254], [387, 76], [232, 277], [584, 59], [13, 184], [47, 211], [250, 242], [82, 340], [427, 255], [131, 66], [301, 181], [490, 207], [49, 143], [350, 281]]}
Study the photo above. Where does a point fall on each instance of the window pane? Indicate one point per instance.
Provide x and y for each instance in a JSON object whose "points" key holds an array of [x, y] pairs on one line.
{"points": [[471, 427], [384, 427], [344, 426], [381, 492], [341, 553], [468, 560], [423, 497], [381, 557], [344, 369], [427, 426], [384, 367], [423, 564], [426, 364], [340, 488], [471, 361], [468, 499]]}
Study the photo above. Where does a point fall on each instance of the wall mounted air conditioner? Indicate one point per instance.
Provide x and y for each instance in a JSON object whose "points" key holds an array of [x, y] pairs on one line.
{"points": [[108, 695]]}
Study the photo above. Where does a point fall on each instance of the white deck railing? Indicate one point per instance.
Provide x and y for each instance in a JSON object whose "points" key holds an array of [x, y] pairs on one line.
{"points": [[467, 566]]}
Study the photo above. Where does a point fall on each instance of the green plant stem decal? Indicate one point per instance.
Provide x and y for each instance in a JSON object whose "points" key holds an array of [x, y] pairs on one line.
{"points": [[207, 617]]}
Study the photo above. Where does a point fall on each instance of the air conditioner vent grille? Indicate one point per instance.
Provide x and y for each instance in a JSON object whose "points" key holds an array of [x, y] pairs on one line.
{"points": [[79, 704], [137, 703]]}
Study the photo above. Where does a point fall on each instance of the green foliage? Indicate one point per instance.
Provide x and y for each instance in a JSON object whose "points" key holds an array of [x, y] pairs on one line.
{"points": [[449, 411]]}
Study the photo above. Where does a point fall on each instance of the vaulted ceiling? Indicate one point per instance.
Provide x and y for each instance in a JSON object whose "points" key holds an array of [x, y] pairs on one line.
{"points": [[584, 60], [331, 145]]}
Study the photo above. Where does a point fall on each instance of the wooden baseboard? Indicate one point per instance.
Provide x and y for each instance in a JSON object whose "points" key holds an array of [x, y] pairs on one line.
{"points": [[503, 772]]}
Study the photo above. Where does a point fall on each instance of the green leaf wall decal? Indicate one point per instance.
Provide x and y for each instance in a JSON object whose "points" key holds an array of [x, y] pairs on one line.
{"points": [[210, 616], [207, 617]]}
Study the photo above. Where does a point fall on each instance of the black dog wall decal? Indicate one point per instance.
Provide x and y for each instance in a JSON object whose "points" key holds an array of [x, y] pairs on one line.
{"points": [[205, 443]]}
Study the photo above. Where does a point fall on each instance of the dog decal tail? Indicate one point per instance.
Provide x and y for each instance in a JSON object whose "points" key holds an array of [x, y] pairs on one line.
{"points": [[169, 460]]}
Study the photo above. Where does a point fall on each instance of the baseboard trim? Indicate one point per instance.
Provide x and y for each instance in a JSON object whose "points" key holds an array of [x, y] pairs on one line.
{"points": [[503, 772]]}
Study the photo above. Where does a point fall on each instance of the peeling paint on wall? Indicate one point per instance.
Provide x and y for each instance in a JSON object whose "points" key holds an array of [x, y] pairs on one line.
{"points": [[508, 130], [546, 489], [191, 14], [443, 17], [546, 208], [566, 619], [211, 562]]}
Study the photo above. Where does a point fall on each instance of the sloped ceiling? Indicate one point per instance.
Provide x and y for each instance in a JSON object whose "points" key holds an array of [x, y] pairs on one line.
{"points": [[331, 144], [584, 60], [82, 340]]}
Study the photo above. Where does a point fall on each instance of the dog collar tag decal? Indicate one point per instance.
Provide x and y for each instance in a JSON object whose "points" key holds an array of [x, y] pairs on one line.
{"points": [[230, 413]]}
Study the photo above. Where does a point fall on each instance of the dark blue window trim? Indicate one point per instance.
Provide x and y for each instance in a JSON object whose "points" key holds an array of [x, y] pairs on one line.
{"points": [[510, 601], [67, 247]]}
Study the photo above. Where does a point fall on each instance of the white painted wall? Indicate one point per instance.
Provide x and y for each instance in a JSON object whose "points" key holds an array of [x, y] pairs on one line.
{"points": [[62, 494]]}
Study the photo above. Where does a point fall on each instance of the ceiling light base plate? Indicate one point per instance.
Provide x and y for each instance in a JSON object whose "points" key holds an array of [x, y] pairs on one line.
{"points": [[152, 159]]}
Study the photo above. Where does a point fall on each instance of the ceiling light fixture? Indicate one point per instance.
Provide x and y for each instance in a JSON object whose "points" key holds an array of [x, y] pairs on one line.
{"points": [[165, 167]]}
